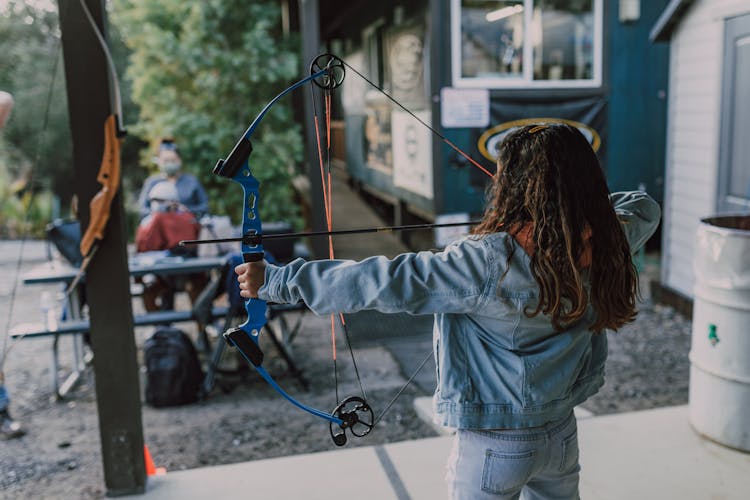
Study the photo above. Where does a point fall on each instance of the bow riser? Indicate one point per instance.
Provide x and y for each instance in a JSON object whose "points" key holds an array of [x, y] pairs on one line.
{"points": [[246, 336], [236, 168]]}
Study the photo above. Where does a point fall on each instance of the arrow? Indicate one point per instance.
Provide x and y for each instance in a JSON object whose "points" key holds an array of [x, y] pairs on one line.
{"points": [[255, 239]]}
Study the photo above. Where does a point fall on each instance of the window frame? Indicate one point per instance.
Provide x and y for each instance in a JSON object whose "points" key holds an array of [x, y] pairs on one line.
{"points": [[734, 28], [527, 81]]}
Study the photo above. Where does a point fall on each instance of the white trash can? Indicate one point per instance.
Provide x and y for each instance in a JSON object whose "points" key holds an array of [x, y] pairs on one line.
{"points": [[719, 406]]}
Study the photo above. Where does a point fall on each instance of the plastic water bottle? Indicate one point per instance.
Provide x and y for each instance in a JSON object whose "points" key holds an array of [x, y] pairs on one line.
{"points": [[49, 313]]}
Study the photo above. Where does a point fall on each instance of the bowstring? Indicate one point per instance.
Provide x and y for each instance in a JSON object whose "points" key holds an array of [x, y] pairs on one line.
{"points": [[403, 388], [342, 319], [422, 122], [327, 209], [329, 212]]}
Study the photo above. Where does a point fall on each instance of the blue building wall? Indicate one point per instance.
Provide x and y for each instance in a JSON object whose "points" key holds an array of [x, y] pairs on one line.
{"points": [[637, 95], [630, 111]]}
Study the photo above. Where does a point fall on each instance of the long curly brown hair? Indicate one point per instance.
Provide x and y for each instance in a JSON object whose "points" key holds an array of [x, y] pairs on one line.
{"points": [[550, 184]]}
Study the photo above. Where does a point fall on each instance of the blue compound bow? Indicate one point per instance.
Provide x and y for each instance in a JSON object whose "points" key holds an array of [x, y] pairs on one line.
{"points": [[353, 413]]}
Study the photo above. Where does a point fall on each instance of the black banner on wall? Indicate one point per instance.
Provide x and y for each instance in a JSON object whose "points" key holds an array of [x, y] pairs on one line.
{"points": [[588, 114]]}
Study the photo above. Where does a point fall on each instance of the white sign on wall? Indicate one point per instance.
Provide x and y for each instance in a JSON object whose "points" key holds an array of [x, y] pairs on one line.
{"points": [[412, 153], [464, 108]]}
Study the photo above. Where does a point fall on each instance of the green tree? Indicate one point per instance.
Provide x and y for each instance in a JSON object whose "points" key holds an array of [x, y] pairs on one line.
{"points": [[35, 145], [200, 72], [31, 69]]}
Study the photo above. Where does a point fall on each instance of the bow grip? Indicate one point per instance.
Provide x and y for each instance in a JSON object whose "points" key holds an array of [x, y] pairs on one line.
{"points": [[245, 336]]}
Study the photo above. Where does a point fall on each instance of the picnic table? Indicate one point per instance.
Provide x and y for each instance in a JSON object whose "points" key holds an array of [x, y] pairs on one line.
{"points": [[73, 323]]}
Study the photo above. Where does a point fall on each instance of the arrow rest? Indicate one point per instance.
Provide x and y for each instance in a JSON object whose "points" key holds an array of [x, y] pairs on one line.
{"points": [[357, 416]]}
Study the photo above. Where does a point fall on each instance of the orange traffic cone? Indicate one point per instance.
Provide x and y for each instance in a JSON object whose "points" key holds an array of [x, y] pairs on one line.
{"points": [[151, 470]]}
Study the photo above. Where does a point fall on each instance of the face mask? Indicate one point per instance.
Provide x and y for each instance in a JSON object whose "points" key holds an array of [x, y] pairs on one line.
{"points": [[171, 168]]}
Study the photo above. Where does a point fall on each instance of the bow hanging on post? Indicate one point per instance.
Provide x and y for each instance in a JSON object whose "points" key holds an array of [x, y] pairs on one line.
{"points": [[109, 173]]}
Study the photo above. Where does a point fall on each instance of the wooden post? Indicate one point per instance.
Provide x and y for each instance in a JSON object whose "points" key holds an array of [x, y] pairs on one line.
{"points": [[107, 279], [440, 71]]}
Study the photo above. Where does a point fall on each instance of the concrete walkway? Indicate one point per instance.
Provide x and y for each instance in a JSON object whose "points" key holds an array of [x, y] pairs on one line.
{"points": [[642, 455], [635, 456]]}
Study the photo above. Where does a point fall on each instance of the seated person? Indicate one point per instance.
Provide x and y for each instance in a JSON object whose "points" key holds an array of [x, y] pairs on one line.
{"points": [[167, 223], [189, 190]]}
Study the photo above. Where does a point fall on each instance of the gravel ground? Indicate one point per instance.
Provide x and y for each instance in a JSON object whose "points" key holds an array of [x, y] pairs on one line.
{"points": [[60, 457]]}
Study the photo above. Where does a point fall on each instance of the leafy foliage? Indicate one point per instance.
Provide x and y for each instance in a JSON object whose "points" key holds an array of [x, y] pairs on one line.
{"points": [[29, 37], [23, 212], [200, 72], [36, 155]]}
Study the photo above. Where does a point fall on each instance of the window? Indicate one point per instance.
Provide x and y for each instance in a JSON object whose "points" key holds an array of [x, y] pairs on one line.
{"points": [[527, 43], [734, 156]]}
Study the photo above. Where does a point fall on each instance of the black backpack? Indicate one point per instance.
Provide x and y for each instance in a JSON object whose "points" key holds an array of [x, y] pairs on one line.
{"points": [[173, 371]]}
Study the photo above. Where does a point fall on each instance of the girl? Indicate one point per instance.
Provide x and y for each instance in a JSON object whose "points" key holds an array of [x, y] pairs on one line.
{"points": [[520, 310]]}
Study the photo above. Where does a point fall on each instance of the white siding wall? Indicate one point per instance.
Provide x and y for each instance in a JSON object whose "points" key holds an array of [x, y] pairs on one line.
{"points": [[696, 57]]}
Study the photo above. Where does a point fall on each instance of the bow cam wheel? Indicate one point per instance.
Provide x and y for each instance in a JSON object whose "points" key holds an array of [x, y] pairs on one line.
{"points": [[335, 71], [356, 415]]}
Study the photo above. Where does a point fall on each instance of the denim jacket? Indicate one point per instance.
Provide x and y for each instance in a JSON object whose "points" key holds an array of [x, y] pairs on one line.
{"points": [[496, 367]]}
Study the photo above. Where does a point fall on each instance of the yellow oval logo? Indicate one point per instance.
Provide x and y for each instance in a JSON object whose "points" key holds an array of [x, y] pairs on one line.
{"points": [[491, 139]]}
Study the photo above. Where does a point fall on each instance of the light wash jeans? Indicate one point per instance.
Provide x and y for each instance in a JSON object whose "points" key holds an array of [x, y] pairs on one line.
{"points": [[534, 463]]}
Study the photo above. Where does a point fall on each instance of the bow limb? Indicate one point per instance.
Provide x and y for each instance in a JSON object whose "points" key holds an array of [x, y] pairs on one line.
{"points": [[109, 178], [100, 205], [330, 75], [241, 151]]}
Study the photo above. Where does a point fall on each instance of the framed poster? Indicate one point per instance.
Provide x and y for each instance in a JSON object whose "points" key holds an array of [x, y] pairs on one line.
{"points": [[378, 132], [412, 153]]}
